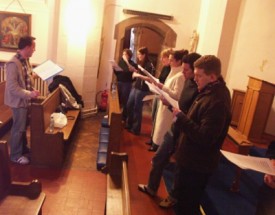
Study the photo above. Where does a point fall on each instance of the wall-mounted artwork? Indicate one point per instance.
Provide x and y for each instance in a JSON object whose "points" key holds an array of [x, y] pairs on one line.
{"points": [[12, 27]]}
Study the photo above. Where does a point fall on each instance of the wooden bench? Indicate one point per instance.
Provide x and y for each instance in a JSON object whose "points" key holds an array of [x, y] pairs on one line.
{"points": [[242, 145], [118, 197], [49, 149], [15, 197], [5, 111], [114, 123]]}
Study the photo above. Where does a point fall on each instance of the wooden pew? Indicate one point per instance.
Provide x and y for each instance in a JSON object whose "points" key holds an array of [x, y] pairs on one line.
{"points": [[17, 196], [5, 111], [49, 149], [115, 124], [118, 197]]}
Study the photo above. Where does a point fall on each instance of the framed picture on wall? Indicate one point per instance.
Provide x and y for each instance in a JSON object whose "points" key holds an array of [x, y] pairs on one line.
{"points": [[12, 27]]}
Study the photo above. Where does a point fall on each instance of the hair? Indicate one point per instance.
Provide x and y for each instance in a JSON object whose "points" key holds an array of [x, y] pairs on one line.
{"points": [[178, 54], [166, 52], [210, 64], [128, 52], [190, 59], [25, 41], [144, 51]]}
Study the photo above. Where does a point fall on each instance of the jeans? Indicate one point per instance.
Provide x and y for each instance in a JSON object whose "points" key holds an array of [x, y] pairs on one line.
{"points": [[18, 138], [160, 160], [134, 109]]}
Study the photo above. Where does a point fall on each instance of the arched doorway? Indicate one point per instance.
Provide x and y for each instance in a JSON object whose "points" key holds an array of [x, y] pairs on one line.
{"points": [[146, 29]]}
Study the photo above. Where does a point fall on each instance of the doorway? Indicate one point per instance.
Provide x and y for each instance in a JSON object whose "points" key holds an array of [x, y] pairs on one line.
{"points": [[143, 31]]}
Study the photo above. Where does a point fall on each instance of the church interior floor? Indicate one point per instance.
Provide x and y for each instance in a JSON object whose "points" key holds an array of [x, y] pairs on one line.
{"points": [[78, 188]]}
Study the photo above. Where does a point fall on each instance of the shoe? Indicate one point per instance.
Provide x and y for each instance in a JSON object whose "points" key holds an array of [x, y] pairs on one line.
{"points": [[22, 160], [26, 150], [127, 127], [150, 142], [134, 132], [168, 202], [145, 189], [153, 148]]}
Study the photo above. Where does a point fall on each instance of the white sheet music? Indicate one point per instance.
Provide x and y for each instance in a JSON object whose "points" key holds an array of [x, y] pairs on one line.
{"points": [[158, 91], [47, 70], [148, 74], [263, 165], [115, 66]]}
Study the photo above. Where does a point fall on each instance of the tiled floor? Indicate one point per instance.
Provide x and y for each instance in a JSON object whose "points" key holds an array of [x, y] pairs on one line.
{"points": [[78, 188]]}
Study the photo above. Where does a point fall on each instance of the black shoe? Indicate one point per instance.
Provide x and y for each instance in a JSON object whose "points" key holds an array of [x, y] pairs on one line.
{"points": [[128, 127], [26, 150], [150, 142], [134, 132], [153, 148]]}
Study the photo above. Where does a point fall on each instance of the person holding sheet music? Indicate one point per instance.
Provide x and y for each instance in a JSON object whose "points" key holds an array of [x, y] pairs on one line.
{"points": [[203, 130], [173, 85], [124, 79], [162, 77], [18, 94], [266, 202], [161, 158], [138, 92]]}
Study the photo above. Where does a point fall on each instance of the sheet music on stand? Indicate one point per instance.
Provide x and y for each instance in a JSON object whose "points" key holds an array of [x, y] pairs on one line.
{"points": [[263, 165], [47, 69], [115, 66]]}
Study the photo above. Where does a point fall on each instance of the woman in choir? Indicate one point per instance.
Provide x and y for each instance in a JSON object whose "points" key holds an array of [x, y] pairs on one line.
{"points": [[173, 86], [124, 79], [162, 77], [138, 92]]}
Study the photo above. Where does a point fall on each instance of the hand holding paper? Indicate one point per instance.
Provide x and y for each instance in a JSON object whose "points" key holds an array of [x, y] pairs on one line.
{"points": [[151, 77], [263, 165], [155, 89]]}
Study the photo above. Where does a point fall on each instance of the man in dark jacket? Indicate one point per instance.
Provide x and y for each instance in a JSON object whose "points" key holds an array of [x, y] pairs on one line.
{"points": [[203, 130], [161, 158]]}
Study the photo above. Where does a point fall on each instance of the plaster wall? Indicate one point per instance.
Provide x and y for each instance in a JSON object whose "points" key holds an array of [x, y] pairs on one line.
{"points": [[253, 48]]}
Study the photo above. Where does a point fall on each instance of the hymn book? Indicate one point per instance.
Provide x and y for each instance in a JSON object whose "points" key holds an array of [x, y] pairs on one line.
{"points": [[47, 70]]}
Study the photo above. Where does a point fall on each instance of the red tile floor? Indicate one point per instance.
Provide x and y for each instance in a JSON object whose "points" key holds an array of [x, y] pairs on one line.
{"points": [[78, 188]]}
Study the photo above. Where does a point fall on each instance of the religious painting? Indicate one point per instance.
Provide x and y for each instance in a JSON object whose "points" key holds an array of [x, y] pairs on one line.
{"points": [[12, 27]]}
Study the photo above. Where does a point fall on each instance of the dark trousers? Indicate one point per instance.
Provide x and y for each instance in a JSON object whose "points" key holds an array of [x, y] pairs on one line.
{"points": [[266, 201], [134, 109], [188, 189], [124, 89]]}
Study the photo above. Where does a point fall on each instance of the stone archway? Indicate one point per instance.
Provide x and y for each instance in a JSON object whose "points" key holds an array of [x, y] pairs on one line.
{"points": [[156, 25]]}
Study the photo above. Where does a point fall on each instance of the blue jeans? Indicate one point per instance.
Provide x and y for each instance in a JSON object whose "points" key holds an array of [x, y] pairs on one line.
{"points": [[18, 138], [134, 109], [160, 160]]}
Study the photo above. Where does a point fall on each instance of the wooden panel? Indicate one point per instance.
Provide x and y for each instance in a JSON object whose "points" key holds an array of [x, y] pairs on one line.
{"points": [[118, 197], [237, 105], [256, 108], [14, 204], [5, 177]]}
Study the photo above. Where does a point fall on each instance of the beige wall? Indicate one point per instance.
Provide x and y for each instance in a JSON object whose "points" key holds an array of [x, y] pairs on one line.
{"points": [[253, 48], [240, 32]]}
